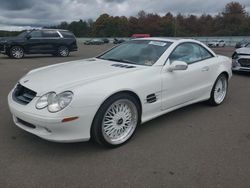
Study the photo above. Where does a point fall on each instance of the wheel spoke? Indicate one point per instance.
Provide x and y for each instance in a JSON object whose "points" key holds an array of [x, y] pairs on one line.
{"points": [[119, 121]]}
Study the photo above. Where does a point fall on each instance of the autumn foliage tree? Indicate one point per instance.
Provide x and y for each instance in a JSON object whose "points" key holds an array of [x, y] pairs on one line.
{"points": [[232, 21]]}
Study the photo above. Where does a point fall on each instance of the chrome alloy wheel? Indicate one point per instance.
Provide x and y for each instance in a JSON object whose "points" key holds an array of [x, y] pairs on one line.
{"points": [[17, 52], [63, 51], [220, 90], [119, 122]]}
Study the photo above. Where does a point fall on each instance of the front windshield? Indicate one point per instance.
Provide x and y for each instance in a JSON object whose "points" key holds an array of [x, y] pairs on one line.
{"points": [[23, 34], [139, 52]]}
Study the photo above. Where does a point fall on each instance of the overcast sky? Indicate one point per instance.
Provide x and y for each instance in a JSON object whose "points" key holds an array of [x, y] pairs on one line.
{"points": [[19, 14]]}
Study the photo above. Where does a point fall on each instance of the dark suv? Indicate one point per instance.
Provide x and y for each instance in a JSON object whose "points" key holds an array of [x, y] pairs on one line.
{"points": [[44, 41]]}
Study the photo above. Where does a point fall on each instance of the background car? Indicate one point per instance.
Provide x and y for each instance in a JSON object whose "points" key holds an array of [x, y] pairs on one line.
{"points": [[118, 41], [217, 43], [94, 42], [241, 59], [44, 41], [242, 43], [105, 40], [108, 96]]}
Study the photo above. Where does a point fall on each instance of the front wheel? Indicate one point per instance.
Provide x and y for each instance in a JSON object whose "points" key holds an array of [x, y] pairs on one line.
{"points": [[16, 52], [116, 120], [219, 91]]}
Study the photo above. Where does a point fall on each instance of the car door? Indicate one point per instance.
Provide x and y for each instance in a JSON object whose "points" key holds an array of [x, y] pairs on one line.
{"points": [[184, 86], [34, 39], [51, 41]]}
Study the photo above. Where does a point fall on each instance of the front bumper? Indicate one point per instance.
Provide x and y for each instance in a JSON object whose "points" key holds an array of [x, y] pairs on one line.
{"points": [[236, 66], [2, 49], [50, 126]]}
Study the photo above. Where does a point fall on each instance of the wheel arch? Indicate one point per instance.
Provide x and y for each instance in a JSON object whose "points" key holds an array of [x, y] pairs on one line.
{"points": [[19, 45], [225, 73], [220, 73], [131, 93]]}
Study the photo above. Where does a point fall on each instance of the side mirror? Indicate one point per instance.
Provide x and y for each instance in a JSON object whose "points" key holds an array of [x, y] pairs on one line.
{"points": [[28, 37], [177, 65]]}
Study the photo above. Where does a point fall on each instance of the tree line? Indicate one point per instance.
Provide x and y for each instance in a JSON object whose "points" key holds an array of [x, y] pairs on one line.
{"points": [[9, 33], [233, 20]]}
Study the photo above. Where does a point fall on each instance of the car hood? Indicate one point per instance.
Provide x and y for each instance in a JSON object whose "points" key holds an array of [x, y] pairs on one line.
{"points": [[243, 51], [65, 76]]}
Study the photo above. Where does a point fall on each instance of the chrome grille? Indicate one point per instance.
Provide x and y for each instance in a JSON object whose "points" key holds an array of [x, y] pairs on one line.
{"points": [[23, 95], [244, 62]]}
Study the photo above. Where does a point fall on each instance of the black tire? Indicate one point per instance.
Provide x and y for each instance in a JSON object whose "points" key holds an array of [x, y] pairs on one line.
{"points": [[63, 51], [16, 52], [212, 101], [97, 134]]}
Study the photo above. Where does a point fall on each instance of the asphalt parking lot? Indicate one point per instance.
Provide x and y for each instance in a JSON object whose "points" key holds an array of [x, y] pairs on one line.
{"points": [[197, 146]]}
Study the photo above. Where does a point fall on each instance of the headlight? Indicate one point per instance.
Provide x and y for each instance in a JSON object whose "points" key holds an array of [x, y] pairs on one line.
{"points": [[43, 101], [235, 55], [55, 102]]}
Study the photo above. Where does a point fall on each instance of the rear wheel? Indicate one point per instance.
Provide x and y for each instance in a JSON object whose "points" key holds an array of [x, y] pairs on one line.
{"points": [[63, 51], [219, 91], [116, 120], [16, 52]]}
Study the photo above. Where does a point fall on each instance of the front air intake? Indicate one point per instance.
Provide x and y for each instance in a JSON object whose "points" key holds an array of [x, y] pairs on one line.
{"points": [[23, 95], [123, 66]]}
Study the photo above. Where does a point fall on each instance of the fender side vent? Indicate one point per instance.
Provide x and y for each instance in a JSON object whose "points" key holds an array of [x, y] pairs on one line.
{"points": [[151, 98], [123, 66]]}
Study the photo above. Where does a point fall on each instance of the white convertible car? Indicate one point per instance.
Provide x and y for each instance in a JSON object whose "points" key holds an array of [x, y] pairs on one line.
{"points": [[107, 97]]}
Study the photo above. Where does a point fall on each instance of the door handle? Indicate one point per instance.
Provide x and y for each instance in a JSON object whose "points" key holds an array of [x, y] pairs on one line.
{"points": [[205, 69]]}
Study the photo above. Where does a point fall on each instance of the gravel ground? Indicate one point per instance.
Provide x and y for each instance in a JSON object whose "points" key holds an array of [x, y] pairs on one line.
{"points": [[197, 146]]}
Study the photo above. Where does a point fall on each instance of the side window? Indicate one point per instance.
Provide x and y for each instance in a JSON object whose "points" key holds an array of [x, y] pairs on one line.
{"points": [[50, 34], [187, 52], [204, 53], [67, 34], [36, 34]]}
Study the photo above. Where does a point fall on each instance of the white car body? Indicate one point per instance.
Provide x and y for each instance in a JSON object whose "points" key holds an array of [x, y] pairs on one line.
{"points": [[219, 43], [94, 80], [241, 59]]}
